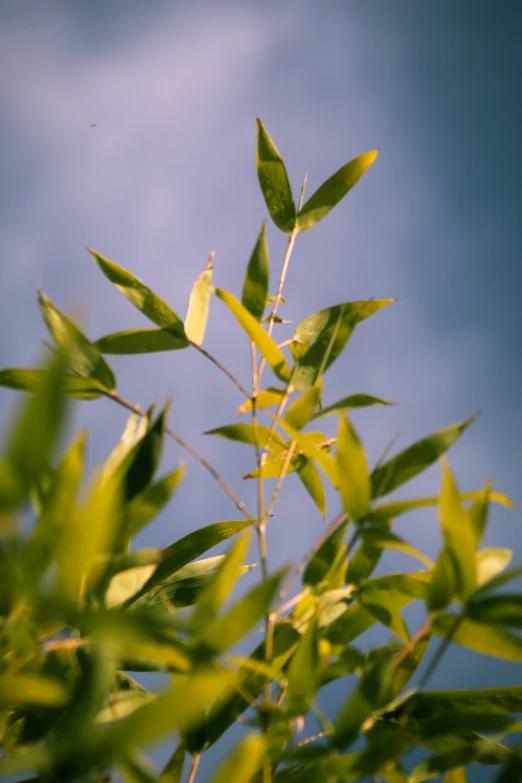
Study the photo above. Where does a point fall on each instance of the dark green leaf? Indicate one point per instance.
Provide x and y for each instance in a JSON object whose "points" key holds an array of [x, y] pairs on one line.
{"points": [[267, 347], [416, 458], [350, 403], [150, 501], [320, 564], [172, 772], [135, 290], [274, 181], [368, 695], [142, 461], [459, 534], [30, 380], [141, 341], [333, 190], [82, 356], [406, 662], [199, 304], [499, 609], [255, 285]]}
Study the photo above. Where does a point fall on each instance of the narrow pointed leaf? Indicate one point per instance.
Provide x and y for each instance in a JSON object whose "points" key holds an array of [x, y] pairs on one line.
{"points": [[303, 408], [267, 347], [499, 609], [274, 182], [199, 305], [459, 534], [333, 190], [265, 399], [352, 467], [220, 587], [172, 772], [244, 761], [82, 355], [481, 637], [415, 459], [302, 674], [490, 563], [367, 696], [136, 341], [398, 507], [244, 433], [311, 480], [312, 452], [255, 285], [353, 313], [320, 563], [145, 505], [140, 295], [444, 583], [73, 385], [142, 461], [406, 662], [350, 403], [225, 631]]}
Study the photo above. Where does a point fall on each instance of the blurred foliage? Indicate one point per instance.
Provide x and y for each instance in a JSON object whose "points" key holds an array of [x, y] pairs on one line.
{"points": [[83, 612]]}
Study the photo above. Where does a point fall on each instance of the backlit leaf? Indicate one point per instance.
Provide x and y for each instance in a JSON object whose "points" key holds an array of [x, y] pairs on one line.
{"points": [[30, 380], [333, 190], [244, 433], [199, 304], [353, 472], [243, 762], [459, 534]]}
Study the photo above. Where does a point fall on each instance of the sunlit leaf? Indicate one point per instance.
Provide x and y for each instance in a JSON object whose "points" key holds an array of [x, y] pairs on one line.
{"points": [[397, 507], [274, 182], [82, 355], [220, 587], [140, 295], [459, 534], [299, 413], [305, 445], [352, 467], [245, 433], [265, 399], [302, 672], [255, 285], [312, 482], [501, 579], [267, 347], [243, 762], [333, 190], [490, 563], [20, 690], [416, 458], [444, 583], [172, 772], [199, 304], [481, 637], [135, 341], [150, 501]]}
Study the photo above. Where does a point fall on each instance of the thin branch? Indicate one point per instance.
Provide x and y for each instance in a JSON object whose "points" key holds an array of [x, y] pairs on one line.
{"points": [[222, 368], [192, 451], [193, 768]]}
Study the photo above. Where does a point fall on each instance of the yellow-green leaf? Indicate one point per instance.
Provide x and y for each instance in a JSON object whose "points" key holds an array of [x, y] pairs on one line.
{"points": [[274, 182], [199, 305], [353, 472]]}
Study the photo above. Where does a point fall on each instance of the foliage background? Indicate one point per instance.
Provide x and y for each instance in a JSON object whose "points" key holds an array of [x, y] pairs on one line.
{"points": [[168, 174]]}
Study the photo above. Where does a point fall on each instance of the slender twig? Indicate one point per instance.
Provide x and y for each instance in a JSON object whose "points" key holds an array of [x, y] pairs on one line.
{"points": [[193, 768], [441, 650], [192, 451], [222, 368], [284, 269]]}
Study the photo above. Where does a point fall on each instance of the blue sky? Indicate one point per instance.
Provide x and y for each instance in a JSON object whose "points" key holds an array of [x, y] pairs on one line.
{"points": [[168, 174]]}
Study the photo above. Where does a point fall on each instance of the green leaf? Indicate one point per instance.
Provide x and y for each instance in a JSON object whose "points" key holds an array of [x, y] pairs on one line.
{"points": [[302, 674], [302, 409], [30, 380], [333, 190], [255, 285], [228, 629], [21, 690], [383, 607], [273, 180], [501, 579], [267, 347], [368, 695], [135, 290], [329, 330], [311, 480], [150, 501], [444, 583], [352, 467], [265, 399], [193, 545], [199, 304], [82, 356], [172, 772], [320, 563], [481, 637], [127, 583], [415, 459], [142, 461], [398, 507], [244, 761], [406, 662], [499, 609], [386, 539], [459, 534], [135, 341], [36, 427], [220, 587], [350, 403], [305, 445], [244, 433]]}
